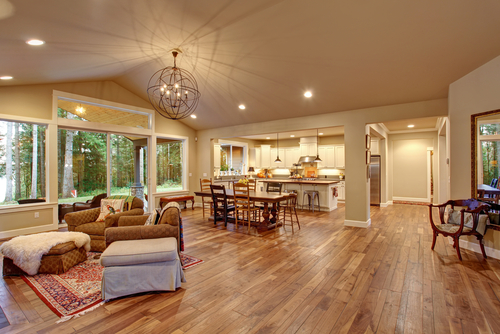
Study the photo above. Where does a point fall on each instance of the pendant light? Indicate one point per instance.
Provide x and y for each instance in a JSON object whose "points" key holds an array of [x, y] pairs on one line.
{"points": [[278, 160], [317, 148]]}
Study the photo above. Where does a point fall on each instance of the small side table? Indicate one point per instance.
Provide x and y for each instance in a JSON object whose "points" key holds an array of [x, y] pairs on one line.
{"points": [[165, 200], [63, 209]]}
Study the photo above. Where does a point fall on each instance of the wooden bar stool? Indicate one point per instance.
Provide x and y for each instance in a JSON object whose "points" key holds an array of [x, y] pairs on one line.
{"points": [[290, 207]]}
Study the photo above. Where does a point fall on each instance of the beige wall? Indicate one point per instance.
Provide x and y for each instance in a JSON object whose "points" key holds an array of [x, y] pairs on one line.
{"points": [[35, 101], [476, 92], [354, 122]]}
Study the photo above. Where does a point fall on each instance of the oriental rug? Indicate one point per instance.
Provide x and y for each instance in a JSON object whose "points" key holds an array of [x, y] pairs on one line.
{"points": [[78, 291]]}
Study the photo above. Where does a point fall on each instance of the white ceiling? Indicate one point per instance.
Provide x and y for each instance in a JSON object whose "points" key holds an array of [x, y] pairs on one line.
{"points": [[262, 53]]}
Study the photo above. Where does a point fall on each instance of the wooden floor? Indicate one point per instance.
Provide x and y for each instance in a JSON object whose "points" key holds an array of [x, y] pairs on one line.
{"points": [[325, 278]]}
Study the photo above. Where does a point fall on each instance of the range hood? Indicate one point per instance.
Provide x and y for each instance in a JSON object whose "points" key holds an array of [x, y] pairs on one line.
{"points": [[306, 159]]}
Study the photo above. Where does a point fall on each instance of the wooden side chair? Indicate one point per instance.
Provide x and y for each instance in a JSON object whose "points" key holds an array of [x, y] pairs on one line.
{"points": [[459, 214], [221, 207], [243, 204], [205, 186], [290, 208]]}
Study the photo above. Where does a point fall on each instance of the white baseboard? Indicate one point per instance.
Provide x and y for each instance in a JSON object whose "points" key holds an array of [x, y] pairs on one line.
{"points": [[28, 230], [357, 223], [474, 246], [410, 199], [385, 205]]}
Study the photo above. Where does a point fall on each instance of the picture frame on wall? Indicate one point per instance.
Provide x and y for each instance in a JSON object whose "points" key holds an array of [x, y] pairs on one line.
{"points": [[368, 157], [368, 142]]}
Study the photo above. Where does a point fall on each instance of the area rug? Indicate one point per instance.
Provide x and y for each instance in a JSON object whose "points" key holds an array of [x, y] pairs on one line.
{"points": [[78, 291]]}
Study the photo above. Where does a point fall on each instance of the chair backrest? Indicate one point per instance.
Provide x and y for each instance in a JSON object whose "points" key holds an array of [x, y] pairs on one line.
{"points": [[205, 184], [291, 200], [219, 196], [252, 184], [96, 201], [494, 183], [241, 195], [274, 187]]}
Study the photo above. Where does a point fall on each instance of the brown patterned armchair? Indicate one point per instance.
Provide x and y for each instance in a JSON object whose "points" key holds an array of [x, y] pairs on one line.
{"points": [[85, 221], [133, 228]]}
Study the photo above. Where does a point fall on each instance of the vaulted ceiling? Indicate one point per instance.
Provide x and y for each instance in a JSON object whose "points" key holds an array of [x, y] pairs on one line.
{"points": [[263, 53]]}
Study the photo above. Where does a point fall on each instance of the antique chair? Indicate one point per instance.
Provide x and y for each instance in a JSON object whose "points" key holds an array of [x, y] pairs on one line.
{"points": [[243, 204], [205, 186], [221, 206], [464, 217], [140, 258], [90, 204], [86, 221]]}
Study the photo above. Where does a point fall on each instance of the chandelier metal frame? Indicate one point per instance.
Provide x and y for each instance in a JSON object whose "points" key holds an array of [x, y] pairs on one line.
{"points": [[173, 92]]}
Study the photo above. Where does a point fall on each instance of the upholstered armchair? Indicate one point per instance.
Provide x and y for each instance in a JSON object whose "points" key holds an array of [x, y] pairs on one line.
{"points": [[133, 228], [95, 202], [86, 221]]}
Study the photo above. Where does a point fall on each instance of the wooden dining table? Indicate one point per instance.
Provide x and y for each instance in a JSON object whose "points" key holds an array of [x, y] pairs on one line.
{"points": [[269, 215], [483, 189]]}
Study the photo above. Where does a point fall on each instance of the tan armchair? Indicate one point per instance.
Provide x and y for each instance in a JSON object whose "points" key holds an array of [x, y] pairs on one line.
{"points": [[133, 228], [85, 221]]}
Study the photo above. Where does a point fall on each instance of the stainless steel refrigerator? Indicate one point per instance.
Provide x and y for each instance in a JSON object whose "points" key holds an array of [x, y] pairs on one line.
{"points": [[375, 180]]}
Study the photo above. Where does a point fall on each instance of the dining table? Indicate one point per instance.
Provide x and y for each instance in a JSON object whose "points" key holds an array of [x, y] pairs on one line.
{"points": [[270, 208], [484, 189]]}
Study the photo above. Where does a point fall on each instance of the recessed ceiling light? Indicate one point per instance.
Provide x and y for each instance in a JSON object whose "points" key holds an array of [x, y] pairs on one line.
{"points": [[193, 116], [268, 137], [308, 94], [241, 106], [411, 126], [6, 77], [292, 136], [35, 42], [321, 133]]}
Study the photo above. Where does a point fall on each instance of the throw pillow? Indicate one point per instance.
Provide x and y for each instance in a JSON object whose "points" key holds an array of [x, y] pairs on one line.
{"points": [[153, 218], [110, 207], [455, 216]]}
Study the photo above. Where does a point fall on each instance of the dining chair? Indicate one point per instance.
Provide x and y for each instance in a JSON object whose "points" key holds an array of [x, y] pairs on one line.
{"points": [[290, 208], [221, 205], [243, 204], [274, 187], [205, 186], [463, 217]]}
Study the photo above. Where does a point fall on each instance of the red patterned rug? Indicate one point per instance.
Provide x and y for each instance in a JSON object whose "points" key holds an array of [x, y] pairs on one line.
{"points": [[78, 290]]}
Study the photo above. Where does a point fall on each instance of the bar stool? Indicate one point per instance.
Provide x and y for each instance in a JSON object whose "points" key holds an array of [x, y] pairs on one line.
{"points": [[311, 194], [289, 207]]}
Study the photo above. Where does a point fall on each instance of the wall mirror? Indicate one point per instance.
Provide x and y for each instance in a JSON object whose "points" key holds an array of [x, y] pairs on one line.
{"points": [[485, 149]]}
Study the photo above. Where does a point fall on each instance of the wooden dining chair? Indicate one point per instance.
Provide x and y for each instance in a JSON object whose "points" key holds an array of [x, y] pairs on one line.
{"points": [[290, 208], [205, 186], [221, 207], [274, 187], [243, 204], [453, 225]]}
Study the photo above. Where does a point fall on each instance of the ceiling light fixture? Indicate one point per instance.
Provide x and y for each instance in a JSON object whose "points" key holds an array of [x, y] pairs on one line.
{"points": [[193, 116], [308, 94], [317, 149], [411, 126], [6, 77], [241, 106], [278, 160], [321, 133], [35, 42], [292, 136], [268, 137], [80, 109], [173, 92]]}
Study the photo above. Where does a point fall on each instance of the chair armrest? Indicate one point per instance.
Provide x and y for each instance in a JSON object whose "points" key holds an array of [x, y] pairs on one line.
{"points": [[140, 232], [132, 220], [74, 219], [112, 220]]}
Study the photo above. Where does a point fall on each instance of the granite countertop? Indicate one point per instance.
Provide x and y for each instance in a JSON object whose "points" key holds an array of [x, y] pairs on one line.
{"points": [[300, 181]]}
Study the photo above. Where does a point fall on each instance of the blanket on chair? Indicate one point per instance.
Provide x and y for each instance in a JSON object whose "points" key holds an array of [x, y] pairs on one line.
{"points": [[26, 251]]}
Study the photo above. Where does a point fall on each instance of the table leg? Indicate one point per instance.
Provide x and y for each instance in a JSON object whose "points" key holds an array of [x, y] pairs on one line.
{"points": [[267, 224], [192, 204]]}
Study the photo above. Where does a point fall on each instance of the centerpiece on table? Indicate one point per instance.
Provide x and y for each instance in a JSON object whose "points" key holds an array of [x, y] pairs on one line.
{"points": [[244, 181]]}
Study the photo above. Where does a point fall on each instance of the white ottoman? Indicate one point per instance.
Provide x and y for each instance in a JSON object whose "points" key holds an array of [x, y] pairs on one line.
{"points": [[134, 266]]}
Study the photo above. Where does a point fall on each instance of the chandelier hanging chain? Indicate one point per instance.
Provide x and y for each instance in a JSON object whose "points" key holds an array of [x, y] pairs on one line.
{"points": [[173, 92]]}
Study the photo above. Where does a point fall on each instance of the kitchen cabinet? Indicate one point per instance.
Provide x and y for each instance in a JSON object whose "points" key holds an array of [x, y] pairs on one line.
{"points": [[258, 158], [327, 156], [374, 146], [265, 160], [274, 156], [341, 190], [217, 156], [308, 149], [340, 156]]}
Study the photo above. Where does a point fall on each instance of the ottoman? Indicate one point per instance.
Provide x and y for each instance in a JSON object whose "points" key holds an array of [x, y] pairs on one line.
{"points": [[58, 260], [134, 266]]}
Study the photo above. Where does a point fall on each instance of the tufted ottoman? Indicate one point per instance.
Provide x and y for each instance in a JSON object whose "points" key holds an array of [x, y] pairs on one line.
{"points": [[58, 260]]}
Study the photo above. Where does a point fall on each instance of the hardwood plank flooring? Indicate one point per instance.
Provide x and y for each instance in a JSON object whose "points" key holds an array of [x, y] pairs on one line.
{"points": [[324, 278]]}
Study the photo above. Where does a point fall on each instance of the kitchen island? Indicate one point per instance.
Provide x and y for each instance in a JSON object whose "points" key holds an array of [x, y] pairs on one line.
{"points": [[326, 189]]}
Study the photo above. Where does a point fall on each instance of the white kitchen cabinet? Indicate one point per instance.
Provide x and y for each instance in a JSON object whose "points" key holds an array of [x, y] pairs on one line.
{"points": [[327, 155], [308, 149], [341, 190], [340, 156], [290, 157], [274, 155], [322, 156], [258, 159], [374, 146], [216, 156], [265, 160]]}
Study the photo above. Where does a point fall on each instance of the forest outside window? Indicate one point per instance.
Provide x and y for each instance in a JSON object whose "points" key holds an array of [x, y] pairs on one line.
{"points": [[489, 138], [22, 162], [169, 164]]}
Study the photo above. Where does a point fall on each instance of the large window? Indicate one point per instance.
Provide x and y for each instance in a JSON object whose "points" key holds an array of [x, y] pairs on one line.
{"points": [[169, 165], [128, 155], [22, 161], [489, 137]]}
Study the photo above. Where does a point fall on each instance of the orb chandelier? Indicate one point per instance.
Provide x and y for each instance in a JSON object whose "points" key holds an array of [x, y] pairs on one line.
{"points": [[173, 92]]}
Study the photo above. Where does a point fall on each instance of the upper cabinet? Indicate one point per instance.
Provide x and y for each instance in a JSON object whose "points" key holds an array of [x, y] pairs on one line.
{"points": [[258, 163], [331, 156], [216, 156], [340, 156], [308, 149], [265, 152]]}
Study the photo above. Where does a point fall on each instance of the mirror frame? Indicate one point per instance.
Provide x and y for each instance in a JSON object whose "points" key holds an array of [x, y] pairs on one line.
{"points": [[473, 154]]}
